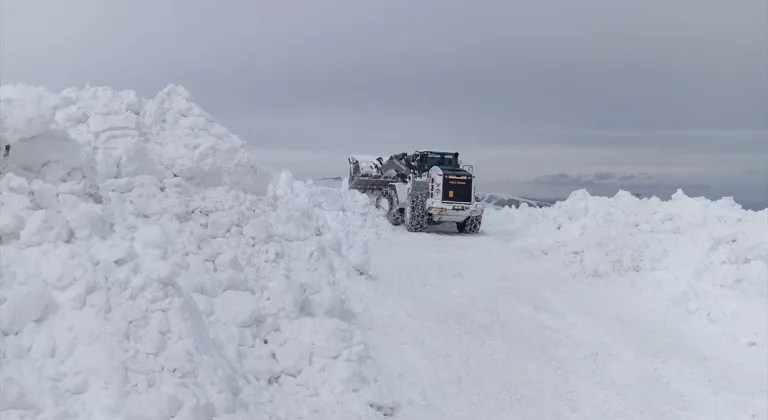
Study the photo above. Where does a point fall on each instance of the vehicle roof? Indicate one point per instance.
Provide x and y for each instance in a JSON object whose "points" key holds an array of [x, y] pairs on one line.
{"points": [[436, 151]]}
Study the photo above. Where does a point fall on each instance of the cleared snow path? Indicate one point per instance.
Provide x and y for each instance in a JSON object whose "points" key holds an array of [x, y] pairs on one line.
{"points": [[474, 328]]}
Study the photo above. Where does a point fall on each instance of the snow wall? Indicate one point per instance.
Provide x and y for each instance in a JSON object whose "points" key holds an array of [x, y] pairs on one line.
{"points": [[143, 279], [151, 271]]}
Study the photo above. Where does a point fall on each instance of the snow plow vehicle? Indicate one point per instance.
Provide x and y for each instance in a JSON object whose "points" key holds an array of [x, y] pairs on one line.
{"points": [[420, 189]]}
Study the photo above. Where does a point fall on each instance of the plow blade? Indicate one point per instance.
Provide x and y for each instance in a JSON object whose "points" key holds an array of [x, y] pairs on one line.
{"points": [[369, 184]]}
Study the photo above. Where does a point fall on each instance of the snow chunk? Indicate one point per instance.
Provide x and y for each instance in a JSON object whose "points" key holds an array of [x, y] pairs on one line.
{"points": [[135, 159], [228, 262], [25, 111], [100, 123], [14, 211], [22, 306], [368, 164], [44, 195], [45, 226], [11, 183], [237, 307], [151, 242], [48, 147], [293, 357]]}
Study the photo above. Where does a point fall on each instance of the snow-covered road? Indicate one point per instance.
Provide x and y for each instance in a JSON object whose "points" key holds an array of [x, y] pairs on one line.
{"points": [[146, 274], [473, 327]]}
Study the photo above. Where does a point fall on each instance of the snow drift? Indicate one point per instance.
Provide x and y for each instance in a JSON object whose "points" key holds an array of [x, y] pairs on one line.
{"points": [[707, 258], [142, 280]]}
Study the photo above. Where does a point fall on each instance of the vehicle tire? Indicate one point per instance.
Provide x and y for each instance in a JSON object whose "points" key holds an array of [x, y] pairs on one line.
{"points": [[415, 213], [393, 214], [470, 225]]}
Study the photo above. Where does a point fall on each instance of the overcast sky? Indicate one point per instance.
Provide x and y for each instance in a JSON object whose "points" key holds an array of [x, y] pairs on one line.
{"points": [[539, 95]]}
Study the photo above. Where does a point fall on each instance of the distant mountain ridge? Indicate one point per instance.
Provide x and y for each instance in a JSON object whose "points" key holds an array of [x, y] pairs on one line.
{"points": [[495, 199], [509, 200]]}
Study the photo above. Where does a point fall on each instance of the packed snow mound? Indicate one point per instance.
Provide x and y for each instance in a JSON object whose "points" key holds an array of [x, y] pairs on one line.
{"points": [[708, 257], [142, 280], [124, 135]]}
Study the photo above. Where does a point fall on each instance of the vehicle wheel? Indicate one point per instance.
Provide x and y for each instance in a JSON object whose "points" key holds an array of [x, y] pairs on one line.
{"points": [[470, 225], [415, 213], [387, 201]]}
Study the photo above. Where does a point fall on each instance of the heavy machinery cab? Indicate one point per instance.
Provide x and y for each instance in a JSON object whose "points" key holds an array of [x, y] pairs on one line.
{"points": [[422, 161], [440, 176], [451, 185]]}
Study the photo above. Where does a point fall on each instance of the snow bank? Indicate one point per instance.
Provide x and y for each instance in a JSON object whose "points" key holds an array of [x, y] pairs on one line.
{"points": [[141, 278], [709, 258]]}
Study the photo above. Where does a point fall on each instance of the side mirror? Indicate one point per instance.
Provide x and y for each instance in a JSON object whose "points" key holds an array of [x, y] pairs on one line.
{"points": [[469, 168]]}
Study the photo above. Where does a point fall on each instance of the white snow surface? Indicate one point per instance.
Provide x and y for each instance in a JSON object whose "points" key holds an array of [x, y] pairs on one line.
{"points": [[140, 280], [595, 308], [151, 271]]}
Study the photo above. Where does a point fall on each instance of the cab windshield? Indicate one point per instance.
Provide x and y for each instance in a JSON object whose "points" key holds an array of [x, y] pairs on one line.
{"points": [[441, 159]]}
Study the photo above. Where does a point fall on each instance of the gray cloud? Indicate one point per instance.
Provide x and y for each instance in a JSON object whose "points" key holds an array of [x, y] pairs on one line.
{"points": [[523, 88], [594, 64]]}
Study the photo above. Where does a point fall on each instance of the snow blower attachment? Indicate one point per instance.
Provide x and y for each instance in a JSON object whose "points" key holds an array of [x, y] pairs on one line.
{"points": [[421, 189]]}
